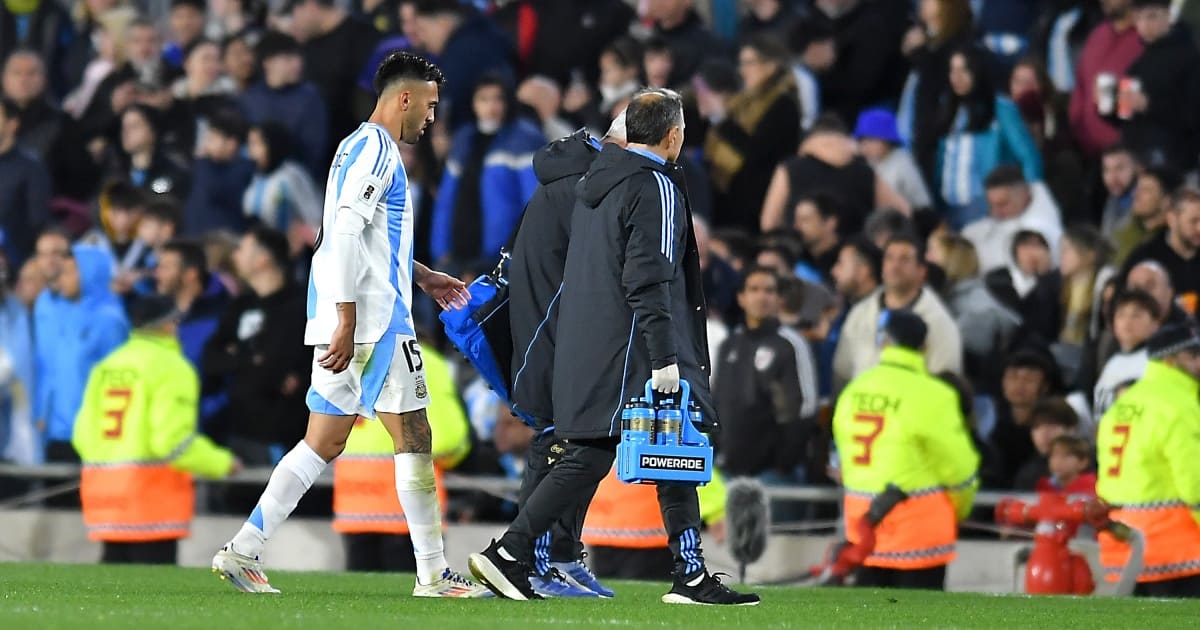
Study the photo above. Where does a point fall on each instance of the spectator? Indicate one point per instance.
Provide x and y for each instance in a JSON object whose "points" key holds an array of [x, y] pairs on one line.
{"points": [[1083, 267], [158, 225], [110, 56], [856, 277], [142, 161], [903, 288], [144, 52], [751, 132], [467, 47], [566, 37], [620, 72], [979, 132], [121, 207], [1109, 50], [817, 218], [1164, 126], [767, 17], [986, 326], [50, 251], [860, 76], [1176, 248], [231, 17], [281, 195], [1050, 419], [814, 53], [1034, 95], [220, 177], [19, 442], [1147, 212], [182, 275], [488, 179], [767, 391], [41, 26], [1070, 458], [885, 223], [46, 131], [1028, 377], [29, 284], [690, 42], [880, 144], [186, 24], [284, 97], [239, 60], [658, 63], [1004, 26], [544, 97], [1014, 206], [256, 353], [828, 161], [24, 189], [77, 321], [201, 93], [944, 26], [1119, 170], [335, 44], [1135, 317]]}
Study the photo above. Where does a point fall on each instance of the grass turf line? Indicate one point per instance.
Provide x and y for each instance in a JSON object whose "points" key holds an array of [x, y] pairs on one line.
{"points": [[89, 596]]}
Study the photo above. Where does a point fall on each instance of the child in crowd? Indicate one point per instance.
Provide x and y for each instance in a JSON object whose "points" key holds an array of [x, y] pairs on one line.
{"points": [[1070, 457]]}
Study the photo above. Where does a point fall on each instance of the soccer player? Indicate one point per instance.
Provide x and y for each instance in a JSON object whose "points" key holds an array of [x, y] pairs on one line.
{"points": [[367, 361]]}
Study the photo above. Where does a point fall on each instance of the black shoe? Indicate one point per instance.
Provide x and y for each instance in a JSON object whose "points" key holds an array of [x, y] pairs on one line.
{"points": [[506, 578], [710, 592]]}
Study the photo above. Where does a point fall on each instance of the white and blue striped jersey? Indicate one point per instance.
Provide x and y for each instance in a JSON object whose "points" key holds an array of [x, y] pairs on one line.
{"points": [[368, 178]]}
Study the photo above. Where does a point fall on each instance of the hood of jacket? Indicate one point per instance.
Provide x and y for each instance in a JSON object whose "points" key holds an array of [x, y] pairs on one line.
{"points": [[95, 273], [566, 157], [613, 166]]}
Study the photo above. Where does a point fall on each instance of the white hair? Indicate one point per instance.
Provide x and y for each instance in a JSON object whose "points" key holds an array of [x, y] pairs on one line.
{"points": [[616, 131]]}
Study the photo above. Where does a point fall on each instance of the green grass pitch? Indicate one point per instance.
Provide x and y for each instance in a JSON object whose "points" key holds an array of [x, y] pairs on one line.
{"points": [[40, 596]]}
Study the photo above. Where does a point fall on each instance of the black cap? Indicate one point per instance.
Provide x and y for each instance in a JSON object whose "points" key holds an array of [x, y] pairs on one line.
{"points": [[151, 310], [905, 328], [1171, 340]]}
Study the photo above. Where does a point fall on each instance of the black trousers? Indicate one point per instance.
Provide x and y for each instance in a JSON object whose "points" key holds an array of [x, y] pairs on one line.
{"points": [[62, 453], [575, 478], [1179, 587], [931, 579], [155, 552], [624, 563], [563, 544], [379, 553]]}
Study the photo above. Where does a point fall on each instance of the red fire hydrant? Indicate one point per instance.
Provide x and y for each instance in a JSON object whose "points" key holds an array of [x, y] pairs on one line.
{"points": [[1053, 569]]}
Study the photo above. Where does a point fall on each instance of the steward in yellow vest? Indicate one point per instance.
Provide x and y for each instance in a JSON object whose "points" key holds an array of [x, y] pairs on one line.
{"points": [[365, 508], [1148, 450], [896, 425], [136, 435]]}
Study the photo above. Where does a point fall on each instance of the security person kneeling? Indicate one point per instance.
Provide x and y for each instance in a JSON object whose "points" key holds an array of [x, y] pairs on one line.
{"points": [[908, 464], [136, 434], [1148, 448]]}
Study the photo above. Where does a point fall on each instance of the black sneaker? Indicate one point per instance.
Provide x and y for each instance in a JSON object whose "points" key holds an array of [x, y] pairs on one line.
{"points": [[709, 592], [506, 578]]}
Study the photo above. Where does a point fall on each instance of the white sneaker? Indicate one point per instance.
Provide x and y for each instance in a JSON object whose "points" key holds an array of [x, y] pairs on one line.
{"points": [[243, 572], [452, 585]]}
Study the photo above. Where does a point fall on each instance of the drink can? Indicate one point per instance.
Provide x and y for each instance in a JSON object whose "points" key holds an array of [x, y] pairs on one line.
{"points": [[1128, 87], [1106, 93]]}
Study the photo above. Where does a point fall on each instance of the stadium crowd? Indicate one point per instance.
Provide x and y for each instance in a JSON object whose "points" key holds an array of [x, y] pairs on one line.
{"points": [[1020, 173]]}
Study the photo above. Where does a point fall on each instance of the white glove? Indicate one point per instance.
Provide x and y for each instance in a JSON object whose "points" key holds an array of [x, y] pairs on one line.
{"points": [[665, 380]]}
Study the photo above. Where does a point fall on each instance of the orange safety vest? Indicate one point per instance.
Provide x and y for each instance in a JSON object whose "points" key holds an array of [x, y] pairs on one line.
{"points": [[1172, 542], [624, 515], [136, 502], [919, 533]]}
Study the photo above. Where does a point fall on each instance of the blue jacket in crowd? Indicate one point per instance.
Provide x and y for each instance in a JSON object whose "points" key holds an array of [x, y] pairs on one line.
{"points": [[72, 336], [965, 158], [506, 183], [215, 202], [299, 108], [19, 442]]}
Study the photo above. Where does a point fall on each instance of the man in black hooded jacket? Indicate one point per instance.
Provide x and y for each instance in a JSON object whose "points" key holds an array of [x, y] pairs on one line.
{"points": [[632, 304], [535, 275]]}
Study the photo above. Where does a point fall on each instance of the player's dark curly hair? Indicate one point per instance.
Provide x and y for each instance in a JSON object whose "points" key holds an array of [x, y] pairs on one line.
{"points": [[401, 65]]}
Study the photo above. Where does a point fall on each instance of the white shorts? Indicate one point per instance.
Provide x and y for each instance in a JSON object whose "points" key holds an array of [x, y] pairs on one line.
{"points": [[383, 377]]}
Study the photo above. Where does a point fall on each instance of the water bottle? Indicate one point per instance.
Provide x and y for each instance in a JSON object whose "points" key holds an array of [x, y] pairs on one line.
{"points": [[670, 423], [637, 419]]}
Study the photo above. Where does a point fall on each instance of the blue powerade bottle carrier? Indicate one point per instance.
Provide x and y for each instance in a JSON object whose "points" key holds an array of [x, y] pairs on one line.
{"points": [[660, 442]]}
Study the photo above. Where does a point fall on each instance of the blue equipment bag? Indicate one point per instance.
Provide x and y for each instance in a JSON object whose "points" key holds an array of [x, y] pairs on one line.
{"points": [[660, 442], [481, 333]]}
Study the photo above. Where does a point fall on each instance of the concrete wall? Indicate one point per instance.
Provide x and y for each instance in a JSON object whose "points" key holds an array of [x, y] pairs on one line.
{"points": [[310, 545]]}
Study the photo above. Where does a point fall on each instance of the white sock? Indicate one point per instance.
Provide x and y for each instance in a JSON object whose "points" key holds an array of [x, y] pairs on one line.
{"points": [[416, 487], [290, 480]]}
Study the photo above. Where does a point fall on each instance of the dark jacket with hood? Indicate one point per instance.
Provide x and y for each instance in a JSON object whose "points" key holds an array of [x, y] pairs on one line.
{"points": [[536, 270], [632, 298]]}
